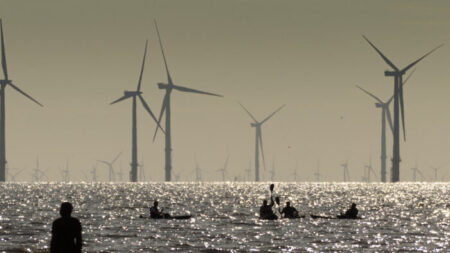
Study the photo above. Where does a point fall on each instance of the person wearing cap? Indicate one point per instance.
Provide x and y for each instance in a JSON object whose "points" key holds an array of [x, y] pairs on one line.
{"points": [[66, 232]]}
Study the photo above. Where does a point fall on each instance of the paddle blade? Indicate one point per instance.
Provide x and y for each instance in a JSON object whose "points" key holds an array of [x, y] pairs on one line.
{"points": [[5, 71], [25, 94], [370, 94], [381, 54], [277, 199], [185, 89], [271, 187], [142, 67], [273, 113]]}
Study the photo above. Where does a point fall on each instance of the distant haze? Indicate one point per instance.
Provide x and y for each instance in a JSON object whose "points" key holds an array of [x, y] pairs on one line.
{"points": [[76, 57]]}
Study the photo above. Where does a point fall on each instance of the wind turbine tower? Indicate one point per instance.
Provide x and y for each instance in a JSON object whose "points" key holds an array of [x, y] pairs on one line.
{"points": [[94, 173], [3, 84], [317, 173], [198, 172], [258, 138], [397, 74], [134, 95], [166, 109], [272, 171]]}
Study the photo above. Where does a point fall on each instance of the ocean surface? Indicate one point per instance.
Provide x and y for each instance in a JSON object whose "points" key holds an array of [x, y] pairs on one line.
{"points": [[409, 217]]}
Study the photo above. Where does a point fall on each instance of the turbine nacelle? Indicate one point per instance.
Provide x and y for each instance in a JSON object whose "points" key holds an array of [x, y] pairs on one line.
{"points": [[162, 85], [5, 82], [131, 93], [254, 124], [378, 105], [390, 73]]}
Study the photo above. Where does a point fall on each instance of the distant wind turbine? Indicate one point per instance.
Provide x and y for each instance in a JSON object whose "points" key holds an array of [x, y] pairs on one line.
{"points": [[346, 172], [258, 139], [94, 173], [317, 173], [38, 174], [165, 109], [13, 176], [112, 175], [272, 171], [142, 172], [370, 170], [223, 170], [435, 169], [385, 115], [3, 84], [134, 95], [198, 172], [65, 173], [248, 170], [398, 105], [416, 171]]}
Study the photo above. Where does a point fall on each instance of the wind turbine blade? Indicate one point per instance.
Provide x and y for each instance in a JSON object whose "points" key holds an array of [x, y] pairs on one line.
{"points": [[120, 99], [370, 94], [115, 159], [164, 55], [273, 113], [142, 68], [105, 162], [421, 58], [381, 54], [147, 108], [25, 94], [402, 107], [403, 84], [262, 148], [185, 89], [226, 163], [163, 108], [5, 70], [254, 119], [389, 118]]}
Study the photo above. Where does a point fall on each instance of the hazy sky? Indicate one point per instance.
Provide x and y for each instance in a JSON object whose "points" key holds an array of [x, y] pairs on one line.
{"points": [[76, 57]]}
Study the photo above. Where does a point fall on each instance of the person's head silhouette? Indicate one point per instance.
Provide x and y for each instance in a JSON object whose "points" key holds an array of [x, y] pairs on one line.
{"points": [[288, 204], [66, 209], [155, 203], [264, 202]]}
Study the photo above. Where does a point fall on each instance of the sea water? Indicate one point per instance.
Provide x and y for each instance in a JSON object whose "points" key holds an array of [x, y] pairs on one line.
{"points": [[410, 217]]}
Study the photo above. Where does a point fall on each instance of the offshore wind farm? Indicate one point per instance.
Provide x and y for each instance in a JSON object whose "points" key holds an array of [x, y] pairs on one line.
{"points": [[305, 77]]}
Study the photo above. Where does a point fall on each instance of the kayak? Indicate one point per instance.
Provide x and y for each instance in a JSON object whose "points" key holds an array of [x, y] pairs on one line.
{"points": [[296, 217], [176, 217], [342, 217]]}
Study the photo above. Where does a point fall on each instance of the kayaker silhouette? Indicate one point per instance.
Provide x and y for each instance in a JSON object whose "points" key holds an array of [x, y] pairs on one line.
{"points": [[66, 232], [289, 211]]}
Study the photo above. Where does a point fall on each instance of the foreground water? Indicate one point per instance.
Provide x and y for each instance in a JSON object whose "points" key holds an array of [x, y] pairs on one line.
{"points": [[396, 217]]}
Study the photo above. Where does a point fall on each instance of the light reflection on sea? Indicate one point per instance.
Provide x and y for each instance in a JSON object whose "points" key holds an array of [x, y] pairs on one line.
{"points": [[397, 217]]}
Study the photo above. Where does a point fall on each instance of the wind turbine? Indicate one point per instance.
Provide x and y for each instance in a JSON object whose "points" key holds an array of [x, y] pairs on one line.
{"points": [[65, 173], [134, 95], [248, 170], [370, 170], [112, 176], [397, 74], [223, 170], [3, 84], [13, 176], [435, 169], [166, 109], [198, 172], [317, 173], [385, 115], [416, 171], [345, 170], [38, 174], [258, 139]]}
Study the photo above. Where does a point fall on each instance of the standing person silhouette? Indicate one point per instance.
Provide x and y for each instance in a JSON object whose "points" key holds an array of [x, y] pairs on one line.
{"points": [[66, 232]]}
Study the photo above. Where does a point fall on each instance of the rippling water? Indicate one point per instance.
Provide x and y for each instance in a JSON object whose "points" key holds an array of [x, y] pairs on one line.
{"points": [[396, 217]]}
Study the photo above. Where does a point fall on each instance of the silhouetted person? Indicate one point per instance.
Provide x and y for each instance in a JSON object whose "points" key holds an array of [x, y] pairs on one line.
{"points": [[155, 213], [289, 211], [66, 232], [351, 213], [265, 211]]}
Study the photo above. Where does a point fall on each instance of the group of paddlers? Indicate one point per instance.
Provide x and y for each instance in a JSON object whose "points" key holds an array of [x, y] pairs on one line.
{"points": [[266, 211]]}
